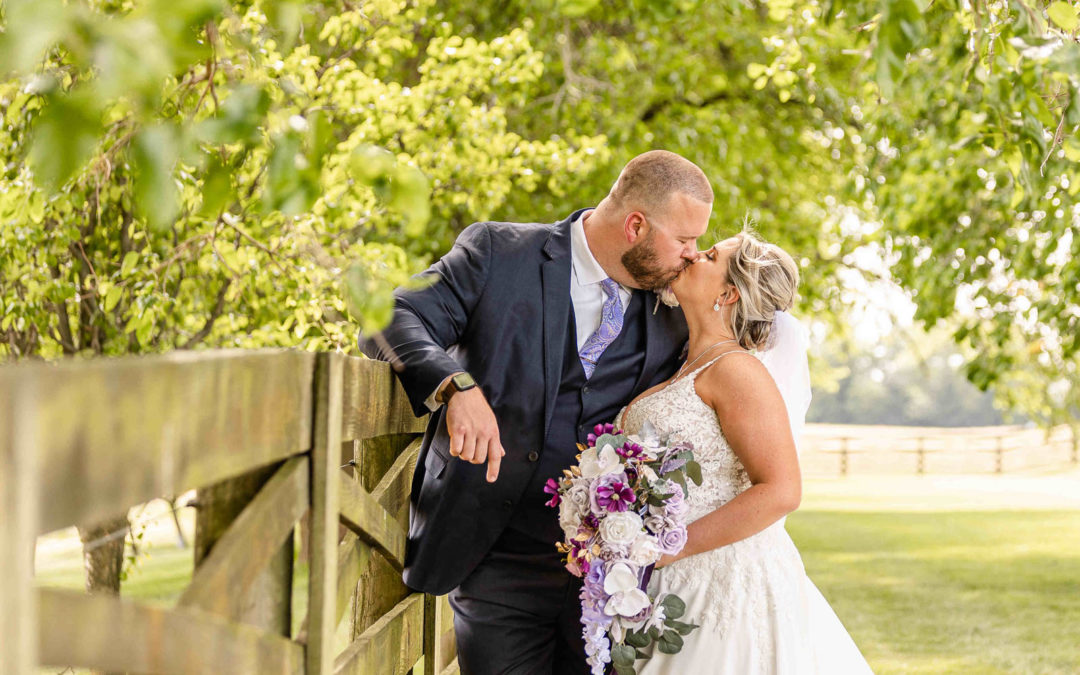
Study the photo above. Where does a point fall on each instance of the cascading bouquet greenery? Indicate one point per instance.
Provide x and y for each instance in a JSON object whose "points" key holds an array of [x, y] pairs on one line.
{"points": [[621, 508]]}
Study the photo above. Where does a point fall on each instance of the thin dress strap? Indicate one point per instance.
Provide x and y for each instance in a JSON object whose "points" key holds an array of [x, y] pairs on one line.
{"points": [[693, 374]]}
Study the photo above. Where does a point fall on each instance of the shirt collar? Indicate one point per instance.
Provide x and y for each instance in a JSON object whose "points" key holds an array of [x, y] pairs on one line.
{"points": [[586, 269]]}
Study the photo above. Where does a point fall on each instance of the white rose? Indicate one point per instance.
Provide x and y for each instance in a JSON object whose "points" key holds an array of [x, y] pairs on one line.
{"points": [[569, 517], [644, 551], [620, 529], [597, 462], [579, 495]]}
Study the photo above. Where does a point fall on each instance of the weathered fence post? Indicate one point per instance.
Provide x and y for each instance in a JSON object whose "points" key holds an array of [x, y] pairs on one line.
{"points": [[379, 587], [920, 450], [268, 604], [999, 452], [325, 472], [844, 455], [18, 529], [1075, 446]]}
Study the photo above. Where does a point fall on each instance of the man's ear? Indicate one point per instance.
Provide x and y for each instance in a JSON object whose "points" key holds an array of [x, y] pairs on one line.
{"points": [[634, 226]]}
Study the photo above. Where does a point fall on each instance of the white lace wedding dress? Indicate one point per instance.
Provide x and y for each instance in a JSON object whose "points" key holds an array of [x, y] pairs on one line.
{"points": [[758, 612]]}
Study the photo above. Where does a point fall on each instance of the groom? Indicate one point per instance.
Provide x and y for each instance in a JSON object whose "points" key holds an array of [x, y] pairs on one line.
{"points": [[530, 335]]}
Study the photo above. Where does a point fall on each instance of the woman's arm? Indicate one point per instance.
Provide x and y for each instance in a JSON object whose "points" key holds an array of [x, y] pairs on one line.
{"points": [[754, 419]]}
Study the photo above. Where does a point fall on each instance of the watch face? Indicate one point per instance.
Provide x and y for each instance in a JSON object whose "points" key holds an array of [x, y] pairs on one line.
{"points": [[464, 381]]}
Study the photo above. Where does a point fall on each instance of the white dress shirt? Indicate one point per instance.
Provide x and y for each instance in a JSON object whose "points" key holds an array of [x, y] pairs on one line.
{"points": [[586, 293], [585, 290]]}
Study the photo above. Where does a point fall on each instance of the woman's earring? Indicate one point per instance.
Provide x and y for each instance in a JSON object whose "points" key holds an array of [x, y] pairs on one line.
{"points": [[716, 306]]}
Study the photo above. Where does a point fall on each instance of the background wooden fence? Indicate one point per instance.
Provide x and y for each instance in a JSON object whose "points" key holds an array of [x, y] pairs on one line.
{"points": [[842, 449], [266, 437]]}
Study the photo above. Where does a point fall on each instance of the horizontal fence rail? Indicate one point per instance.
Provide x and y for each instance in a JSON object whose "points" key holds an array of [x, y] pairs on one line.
{"points": [[841, 449], [272, 440]]}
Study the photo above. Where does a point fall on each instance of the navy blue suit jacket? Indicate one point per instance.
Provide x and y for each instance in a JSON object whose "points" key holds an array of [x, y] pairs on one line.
{"points": [[499, 309]]}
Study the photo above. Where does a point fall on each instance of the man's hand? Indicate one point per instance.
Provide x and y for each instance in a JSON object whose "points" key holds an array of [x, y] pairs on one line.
{"points": [[474, 433]]}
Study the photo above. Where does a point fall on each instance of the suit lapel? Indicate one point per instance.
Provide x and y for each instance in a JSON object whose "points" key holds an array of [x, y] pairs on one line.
{"points": [[652, 337], [555, 277]]}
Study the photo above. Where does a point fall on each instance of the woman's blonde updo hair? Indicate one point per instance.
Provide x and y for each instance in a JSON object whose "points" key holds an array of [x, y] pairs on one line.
{"points": [[767, 278]]}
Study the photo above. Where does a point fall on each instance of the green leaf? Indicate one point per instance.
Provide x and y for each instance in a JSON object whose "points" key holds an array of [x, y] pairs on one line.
{"points": [[670, 642], [155, 151], [286, 16], [112, 297], [130, 259], [610, 439], [576, 7], [622, 655], [181, 25], [239, 119], [673, 606], [37, 207], [693, 470], [64, 136], [637, 639], [32, 27], [1064, 15], [217, 188], [369, 299]]}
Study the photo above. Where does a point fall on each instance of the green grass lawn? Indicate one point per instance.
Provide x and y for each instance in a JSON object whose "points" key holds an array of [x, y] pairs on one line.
{"points": [[951, 591], [925, 583]]}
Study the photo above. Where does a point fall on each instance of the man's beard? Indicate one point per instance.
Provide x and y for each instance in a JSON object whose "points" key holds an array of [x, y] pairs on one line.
{"points": [[642, 264]]}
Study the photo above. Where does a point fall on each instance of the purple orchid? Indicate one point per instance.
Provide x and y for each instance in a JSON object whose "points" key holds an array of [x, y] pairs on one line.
{"points": [[630, 450]]}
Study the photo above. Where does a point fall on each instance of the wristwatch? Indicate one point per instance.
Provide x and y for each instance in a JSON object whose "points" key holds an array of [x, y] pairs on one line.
{"points": [[459, 382]]}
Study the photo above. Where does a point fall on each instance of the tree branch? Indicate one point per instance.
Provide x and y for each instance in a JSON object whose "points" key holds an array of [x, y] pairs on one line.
{"points": [[657, 107], [219, 307]]}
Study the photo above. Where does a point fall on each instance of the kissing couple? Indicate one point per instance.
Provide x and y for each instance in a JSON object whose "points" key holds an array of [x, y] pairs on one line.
{"points": [[530, 335]]}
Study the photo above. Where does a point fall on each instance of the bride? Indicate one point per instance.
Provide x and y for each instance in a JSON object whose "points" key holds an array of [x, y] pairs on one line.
{"points": [[743, 390]]}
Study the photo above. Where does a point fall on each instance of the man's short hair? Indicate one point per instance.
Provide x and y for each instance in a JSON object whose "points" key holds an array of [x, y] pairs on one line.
{"points": [[650, 179]]}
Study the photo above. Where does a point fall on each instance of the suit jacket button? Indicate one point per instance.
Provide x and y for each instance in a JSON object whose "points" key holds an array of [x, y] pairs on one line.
{"points": [[533, 456]]}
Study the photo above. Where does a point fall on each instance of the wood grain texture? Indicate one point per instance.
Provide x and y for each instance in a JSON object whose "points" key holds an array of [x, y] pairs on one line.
{"points": [[362, 514], [222, 584], [391, 646], [374, 584], [374, 402], [121, 636], [325, 484], [111, 433], [18, 529]]}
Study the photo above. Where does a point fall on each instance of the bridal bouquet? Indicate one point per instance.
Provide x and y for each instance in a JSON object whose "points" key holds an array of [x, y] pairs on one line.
{"points": [[621, 508]]}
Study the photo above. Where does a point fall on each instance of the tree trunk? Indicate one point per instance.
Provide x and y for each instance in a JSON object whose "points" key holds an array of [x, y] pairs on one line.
{"points": [[103, 555]]}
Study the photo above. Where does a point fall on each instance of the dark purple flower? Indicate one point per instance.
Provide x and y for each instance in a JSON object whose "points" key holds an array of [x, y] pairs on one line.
{"points": [[552, 488], [591, 440], [592, 522], [630, 450], [616, 496]]}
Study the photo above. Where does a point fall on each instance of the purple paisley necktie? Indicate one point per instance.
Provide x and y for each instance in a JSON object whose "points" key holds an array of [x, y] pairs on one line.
{"points": [[611, 320]]}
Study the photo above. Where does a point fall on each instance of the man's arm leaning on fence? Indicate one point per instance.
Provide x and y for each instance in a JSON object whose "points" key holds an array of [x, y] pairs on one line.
{"points": [[429, 320]]}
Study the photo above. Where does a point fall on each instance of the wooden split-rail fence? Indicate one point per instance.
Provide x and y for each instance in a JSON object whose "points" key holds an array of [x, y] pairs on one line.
{"points": [[269, 438], [842, 449]]}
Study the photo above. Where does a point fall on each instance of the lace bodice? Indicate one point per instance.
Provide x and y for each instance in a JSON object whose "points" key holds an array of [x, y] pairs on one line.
{"points": [[677, 412], [748, 576]]}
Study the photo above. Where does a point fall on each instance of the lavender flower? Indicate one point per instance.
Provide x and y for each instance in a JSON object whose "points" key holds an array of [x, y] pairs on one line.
{"points": [[672, 540]]}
